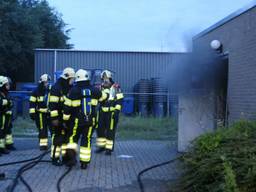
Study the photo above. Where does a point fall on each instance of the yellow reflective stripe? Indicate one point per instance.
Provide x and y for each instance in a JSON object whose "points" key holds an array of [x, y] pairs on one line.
{"points": [[76, 103], [32, 110], [109, 144], [85, 154], [118, 107], [101, 139], [112, 122], [54, 113], [68, 102], [119, 96], [101, 142], [71, 140], [72, 146], [63, 149], [32, 99], [8, 112], [89, 136], [66, 117], [2, 143], [108, 109], [9, 139], [54, 99], [57, 152], [3, 122], [5, 102], [40, 99], [62, 99], [94, 102], [43, 110], [40, 121], [43, 142], [104, 96]]}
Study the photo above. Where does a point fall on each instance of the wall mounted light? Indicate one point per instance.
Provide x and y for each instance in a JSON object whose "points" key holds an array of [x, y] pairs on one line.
{"points": [[216, 45]]}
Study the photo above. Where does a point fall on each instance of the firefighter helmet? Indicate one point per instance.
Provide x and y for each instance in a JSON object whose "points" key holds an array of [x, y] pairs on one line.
{"points": [[106, 74], [68, 73], [3, 80], [82, 75], [44, 78]]}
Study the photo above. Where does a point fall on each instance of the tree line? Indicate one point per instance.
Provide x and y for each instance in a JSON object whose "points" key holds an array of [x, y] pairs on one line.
{"points": [[24, 26]]}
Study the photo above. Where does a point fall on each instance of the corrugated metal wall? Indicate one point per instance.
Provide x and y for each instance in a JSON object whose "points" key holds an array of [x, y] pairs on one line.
{"points": [[129, 67]]}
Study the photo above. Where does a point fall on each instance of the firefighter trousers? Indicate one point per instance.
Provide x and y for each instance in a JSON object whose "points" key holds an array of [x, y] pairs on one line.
{"points": [[60, 137], [84, 132], [42, 125], [6, 129], [106, 130]]}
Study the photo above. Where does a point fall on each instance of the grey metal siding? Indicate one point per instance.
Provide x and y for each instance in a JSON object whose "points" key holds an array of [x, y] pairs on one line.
{"points": [[129, 67], [44, 63]]}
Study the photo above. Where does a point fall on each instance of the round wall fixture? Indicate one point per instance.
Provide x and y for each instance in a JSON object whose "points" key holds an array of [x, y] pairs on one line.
{"points": [[216, 44]]}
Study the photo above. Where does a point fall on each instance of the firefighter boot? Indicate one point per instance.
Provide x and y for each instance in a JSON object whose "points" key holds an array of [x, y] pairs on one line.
{"points": [[56, 162], [43, 148], [4, 151], [10, 147], [99, 150], [83, 165], [108, 152]]}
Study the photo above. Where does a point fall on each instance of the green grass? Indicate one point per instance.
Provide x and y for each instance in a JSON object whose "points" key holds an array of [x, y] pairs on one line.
{"points": [[129, 128], [149, 128], [24, 127]]}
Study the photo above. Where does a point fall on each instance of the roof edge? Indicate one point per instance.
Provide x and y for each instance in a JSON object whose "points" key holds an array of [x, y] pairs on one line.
{"points": [[80, 50], [226, 19]]}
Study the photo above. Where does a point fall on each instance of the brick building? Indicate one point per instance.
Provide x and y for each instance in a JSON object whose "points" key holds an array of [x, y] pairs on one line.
{"points": [[228, 75]]}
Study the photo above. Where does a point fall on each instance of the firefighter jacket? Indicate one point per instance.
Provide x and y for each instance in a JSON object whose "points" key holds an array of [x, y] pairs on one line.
{"points": [[114, 102], [81, 103], [57, 96], [39, 99], [5, 103]]}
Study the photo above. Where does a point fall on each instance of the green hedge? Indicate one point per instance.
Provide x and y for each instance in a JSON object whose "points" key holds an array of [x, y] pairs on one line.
{"points": [[223, 161]]}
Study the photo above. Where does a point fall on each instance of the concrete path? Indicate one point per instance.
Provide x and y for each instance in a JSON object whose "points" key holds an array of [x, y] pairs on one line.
{"points": [[105, 173]]}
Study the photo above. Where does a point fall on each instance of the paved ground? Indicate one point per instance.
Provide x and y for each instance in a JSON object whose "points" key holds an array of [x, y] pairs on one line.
{"points": [[105, 173]]}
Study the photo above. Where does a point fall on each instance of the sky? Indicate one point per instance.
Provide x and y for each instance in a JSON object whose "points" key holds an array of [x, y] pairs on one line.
{"points": [[141, 25]]}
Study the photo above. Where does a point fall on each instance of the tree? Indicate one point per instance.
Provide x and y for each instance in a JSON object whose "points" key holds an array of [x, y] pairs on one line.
{"points": [[24, 26]]}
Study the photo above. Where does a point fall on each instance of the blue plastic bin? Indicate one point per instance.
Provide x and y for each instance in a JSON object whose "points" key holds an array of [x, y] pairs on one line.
{"points": [[29, 86], [18, 98], [128, 105]]}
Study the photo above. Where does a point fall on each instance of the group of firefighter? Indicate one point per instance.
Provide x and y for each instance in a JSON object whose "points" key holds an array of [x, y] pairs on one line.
{"points": [[70, 110]]}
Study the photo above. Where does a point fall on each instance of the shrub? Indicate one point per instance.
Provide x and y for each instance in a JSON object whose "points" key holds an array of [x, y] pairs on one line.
{"points": [[221, 161]]}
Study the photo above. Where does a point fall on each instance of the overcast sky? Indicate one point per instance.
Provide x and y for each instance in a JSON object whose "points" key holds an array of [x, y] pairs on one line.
{"points": [[141, 25]]}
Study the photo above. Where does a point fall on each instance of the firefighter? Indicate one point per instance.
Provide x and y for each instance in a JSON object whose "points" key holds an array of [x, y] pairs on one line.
{"points": [[6, 139], [38, 104], [78, 115], [108, 114], [60, 136]]}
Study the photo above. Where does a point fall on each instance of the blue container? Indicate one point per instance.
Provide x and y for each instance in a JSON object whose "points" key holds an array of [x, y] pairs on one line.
{"points": [[18, 98], [57, 74], [29, 87], [128, 105]]}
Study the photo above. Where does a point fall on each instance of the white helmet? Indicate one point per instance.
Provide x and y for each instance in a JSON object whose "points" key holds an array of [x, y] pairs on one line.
{"points": [[44, 78], [68, 73], [3, 81], [82, 75], [106, 73]]}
